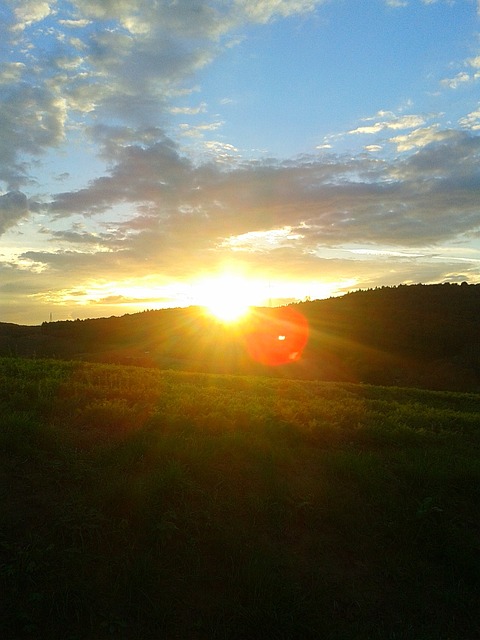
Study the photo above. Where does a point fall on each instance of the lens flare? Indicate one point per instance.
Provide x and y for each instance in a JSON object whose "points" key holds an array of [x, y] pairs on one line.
{"points": [[277, 336]]}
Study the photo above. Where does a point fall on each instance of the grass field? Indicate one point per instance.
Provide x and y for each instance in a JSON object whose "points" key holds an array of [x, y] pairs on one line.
{"points": [[137, 503]]}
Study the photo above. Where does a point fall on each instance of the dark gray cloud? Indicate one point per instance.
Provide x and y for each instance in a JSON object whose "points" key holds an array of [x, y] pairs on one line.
{"points": [[429, 197], [32, 121], [13, 208], [113, 241]]}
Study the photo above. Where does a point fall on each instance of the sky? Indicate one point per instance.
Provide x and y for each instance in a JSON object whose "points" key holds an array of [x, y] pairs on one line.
{"points": [[152, 149]]}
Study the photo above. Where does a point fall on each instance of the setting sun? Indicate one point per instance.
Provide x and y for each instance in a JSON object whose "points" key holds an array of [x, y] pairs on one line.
{"points": [[228, 310], [228, 297]]}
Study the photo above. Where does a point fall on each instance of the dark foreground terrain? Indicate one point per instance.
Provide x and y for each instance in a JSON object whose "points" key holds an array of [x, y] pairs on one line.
{"points": [[136, 503]]}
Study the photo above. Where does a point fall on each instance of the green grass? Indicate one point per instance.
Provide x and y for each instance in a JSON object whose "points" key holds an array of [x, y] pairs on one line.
{"points": [[143, 504]]}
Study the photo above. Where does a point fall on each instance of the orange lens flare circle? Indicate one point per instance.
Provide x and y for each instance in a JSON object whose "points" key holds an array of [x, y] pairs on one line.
{"points": [[277, 336]]}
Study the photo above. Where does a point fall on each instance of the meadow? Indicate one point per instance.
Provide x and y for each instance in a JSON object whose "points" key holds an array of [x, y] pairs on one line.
{"points": [[139, 503]]}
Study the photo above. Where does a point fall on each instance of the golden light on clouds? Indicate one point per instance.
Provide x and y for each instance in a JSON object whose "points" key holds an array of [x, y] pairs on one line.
{"points": [[226, 294], [141, 155]]}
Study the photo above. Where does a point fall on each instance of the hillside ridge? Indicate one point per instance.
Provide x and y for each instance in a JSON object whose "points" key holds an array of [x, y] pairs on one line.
{"points": [[411, 335]]}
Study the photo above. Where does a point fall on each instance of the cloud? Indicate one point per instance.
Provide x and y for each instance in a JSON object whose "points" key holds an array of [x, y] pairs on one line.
{"points": [[474, 62], [204, 211], [32, 120], [389, 121], [11, 72], [128, 60], [111, 241], [471, 120], [262, 11], [116, 73], [221, 152], [74, 24], [13, 208], [405, 3], [201, 108], [463, 77], [150, 173], [460, 79], [422, 137], [31, 11], [197, 131], [449, 161]]}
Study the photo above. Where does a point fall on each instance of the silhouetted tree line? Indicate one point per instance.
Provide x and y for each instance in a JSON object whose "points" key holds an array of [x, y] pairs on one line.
{"points": [[416, 335], [432, 321]]}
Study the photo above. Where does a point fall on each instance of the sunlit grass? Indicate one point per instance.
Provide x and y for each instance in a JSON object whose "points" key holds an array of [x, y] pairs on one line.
{"points": [[138, 503]]}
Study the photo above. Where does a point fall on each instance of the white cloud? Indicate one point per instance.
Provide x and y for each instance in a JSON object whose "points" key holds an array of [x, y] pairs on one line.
{"points": [[264, 10], [192, 111], [107, 9], [474, 62], [221, 151], [31, 11], [74, 23], [464, 77], [457, 81], [197, 131], [421, 138], [390, 121], [471, 120], [11, 72]]}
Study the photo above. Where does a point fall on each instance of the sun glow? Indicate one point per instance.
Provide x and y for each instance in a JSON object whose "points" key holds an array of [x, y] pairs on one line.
{"points": [[228, 297]]}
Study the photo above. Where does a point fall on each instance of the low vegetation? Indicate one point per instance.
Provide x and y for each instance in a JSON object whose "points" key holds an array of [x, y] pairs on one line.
{"points": [[137, 503]]}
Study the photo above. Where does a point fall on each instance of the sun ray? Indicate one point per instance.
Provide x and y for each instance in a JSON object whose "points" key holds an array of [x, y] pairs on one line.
{"points": [[227, 297]]}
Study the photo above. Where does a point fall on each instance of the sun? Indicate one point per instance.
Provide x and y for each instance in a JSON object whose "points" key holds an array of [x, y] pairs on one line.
{"points": [[227, 297], [228, 311]]}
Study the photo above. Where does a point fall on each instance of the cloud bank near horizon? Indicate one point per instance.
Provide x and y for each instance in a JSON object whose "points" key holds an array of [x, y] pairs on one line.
{"points": [[114, 89]]}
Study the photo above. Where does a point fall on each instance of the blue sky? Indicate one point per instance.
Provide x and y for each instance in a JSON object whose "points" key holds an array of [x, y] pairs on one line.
{"points": [[308, 147]]}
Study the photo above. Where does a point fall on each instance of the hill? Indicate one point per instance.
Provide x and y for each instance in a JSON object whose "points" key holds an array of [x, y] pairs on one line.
{"points": [[419, 335], [138, 503]]}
